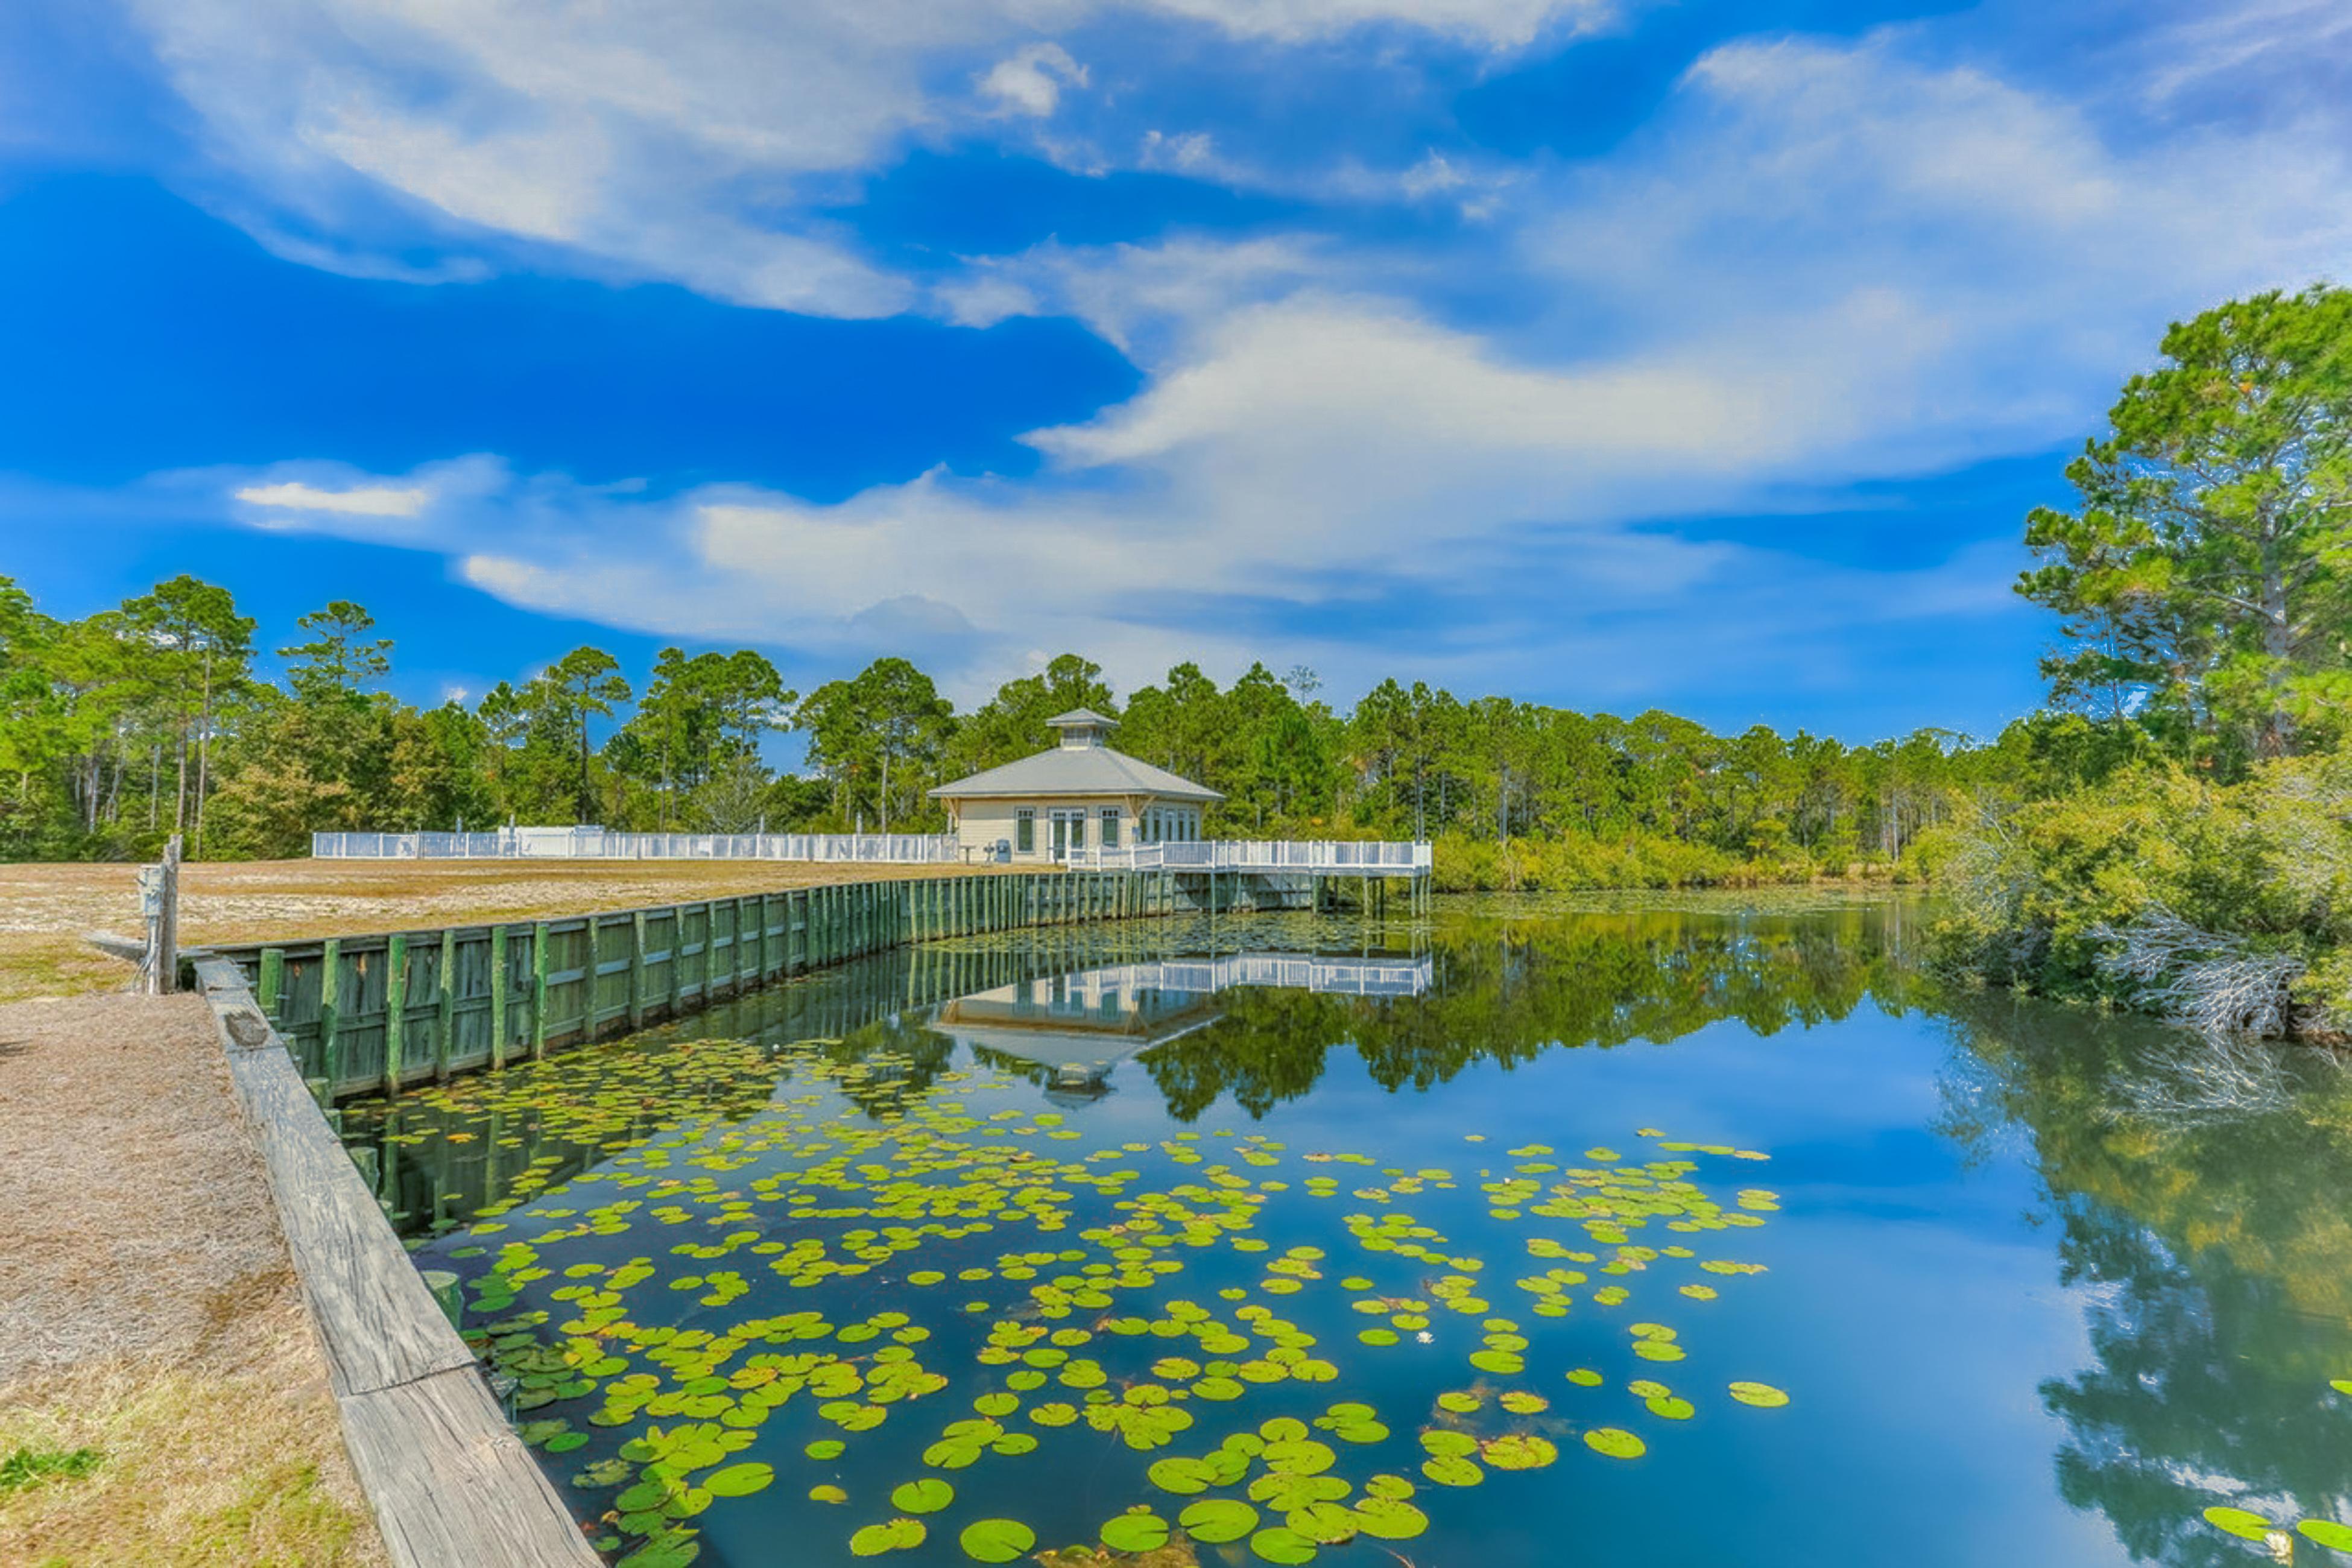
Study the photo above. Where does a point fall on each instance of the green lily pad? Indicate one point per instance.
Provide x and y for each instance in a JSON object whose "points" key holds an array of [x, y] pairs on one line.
{"points": [[997, 1539], [1447, 1470], [1280, 1544], [1518, 1451], [828, 1493], [2238, 1521], [1145, 1531], [1217, 1520], [826, 1448], [927, 1495], [896, 1535], [739, 1480], [1183, 1477], [1389, 1518], [1325, 1523], [1299, 1456], [2328, 1533], [1763, 1395], [1615, 1442]]}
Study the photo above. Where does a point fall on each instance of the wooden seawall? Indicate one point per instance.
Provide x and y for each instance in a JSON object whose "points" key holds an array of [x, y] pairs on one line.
{"points": [[369, 1014]]}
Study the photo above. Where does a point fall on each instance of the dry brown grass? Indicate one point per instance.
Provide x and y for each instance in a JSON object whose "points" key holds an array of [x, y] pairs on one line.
{"points": [[147, 1309], [231, 1458], [45, 909]]}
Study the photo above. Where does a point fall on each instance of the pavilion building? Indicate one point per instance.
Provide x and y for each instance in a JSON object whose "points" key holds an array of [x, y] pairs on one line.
{"points": [[1079, 794]]}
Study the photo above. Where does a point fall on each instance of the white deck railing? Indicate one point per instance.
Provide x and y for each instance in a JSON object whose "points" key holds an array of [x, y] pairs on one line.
{"points": [[1341, 856], [595, 844]]}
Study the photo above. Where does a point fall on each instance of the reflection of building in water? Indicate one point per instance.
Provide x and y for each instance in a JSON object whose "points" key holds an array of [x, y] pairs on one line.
{"points": [[1079, 1027]]}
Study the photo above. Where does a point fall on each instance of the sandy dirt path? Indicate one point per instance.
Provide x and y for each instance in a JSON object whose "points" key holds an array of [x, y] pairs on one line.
{"points": [[152, 1332]]}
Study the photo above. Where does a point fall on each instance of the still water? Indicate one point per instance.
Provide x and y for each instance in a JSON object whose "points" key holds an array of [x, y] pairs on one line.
{"points": [[1703, 1232]]}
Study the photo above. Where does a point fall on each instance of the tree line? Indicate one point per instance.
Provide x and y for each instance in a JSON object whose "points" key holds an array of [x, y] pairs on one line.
{"points": [[2203, 586], [157, 717]]}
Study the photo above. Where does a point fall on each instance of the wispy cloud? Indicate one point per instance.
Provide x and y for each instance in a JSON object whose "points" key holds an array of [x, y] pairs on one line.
{"points": [[364, 500], [1821, 261]]}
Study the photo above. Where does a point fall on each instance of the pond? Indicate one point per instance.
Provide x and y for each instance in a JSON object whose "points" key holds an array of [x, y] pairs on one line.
{"points": [[1656, 1232]]}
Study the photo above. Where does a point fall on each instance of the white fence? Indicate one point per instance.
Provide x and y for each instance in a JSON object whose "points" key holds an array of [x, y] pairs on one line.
{"points": [[1338, 856], [595, 844], [1289, 971]]}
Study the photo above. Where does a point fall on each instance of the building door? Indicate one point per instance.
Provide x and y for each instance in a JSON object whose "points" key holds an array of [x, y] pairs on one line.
{"points": [[1069, 832]]}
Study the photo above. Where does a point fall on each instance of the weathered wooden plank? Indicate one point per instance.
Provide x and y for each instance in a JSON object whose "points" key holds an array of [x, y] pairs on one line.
{"points": [[377, 1322], [539, 990], [499, 1024], [448, 1479], [395, 1012], [444, 1026], [331, 996], [454, 1486]]}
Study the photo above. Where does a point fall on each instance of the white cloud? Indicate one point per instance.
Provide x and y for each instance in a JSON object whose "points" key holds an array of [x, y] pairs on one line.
{"points": [[694, 141], [1497, 24], [366, 500], [1824, 262], [1030, 79]]}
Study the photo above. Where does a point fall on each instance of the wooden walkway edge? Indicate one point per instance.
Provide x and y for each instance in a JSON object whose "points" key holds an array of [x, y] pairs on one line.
{"points": [[450, 1483]]}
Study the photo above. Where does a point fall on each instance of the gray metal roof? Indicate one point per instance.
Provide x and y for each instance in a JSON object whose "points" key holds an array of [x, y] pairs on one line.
{"points": [[1077, 769], [1082, 719]]}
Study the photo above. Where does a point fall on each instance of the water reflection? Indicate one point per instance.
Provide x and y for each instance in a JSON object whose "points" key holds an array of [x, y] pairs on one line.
{"points": [[2194, 1218], [2211, 1238], [1247, 1010]]}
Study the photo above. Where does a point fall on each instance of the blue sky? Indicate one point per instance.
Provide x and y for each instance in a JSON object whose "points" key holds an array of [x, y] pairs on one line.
{"points": [[1613, 353]]}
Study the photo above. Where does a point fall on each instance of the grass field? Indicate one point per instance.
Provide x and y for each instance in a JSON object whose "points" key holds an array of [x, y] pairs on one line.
{"points": [[44, 910]]}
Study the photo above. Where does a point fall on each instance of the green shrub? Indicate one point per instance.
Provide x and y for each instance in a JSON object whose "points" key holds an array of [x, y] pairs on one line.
{"points": [[2048, 895]]}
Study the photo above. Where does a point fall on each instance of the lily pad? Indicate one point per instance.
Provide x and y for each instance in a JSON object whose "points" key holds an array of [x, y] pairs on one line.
{"points": [[739, 1480], [1145, 1531], [1280, 1544], [1389, 1518], [896, 1535], [1763, 1395], [1325, 1523], [997, 1539], [927, 1495], [1217, 1520], [2238, 1521], [1615, 1442], [1518, 1451], [2328, 1533], [1183, 1477]]}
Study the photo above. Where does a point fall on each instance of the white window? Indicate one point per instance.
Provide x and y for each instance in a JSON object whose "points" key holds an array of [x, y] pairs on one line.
{"points": [[1024, 829], [1110, 827]]}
